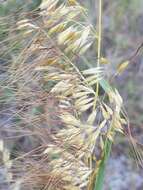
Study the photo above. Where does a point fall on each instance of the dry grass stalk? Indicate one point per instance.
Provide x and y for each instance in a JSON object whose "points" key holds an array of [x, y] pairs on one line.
{"points": [[54, 104]]}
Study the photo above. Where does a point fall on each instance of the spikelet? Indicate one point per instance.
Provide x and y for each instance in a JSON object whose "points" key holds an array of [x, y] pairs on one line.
{"points": [[55, 103]]}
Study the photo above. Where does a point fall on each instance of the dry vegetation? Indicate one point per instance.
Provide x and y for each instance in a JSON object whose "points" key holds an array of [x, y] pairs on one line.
{"points": [[60, 117]]}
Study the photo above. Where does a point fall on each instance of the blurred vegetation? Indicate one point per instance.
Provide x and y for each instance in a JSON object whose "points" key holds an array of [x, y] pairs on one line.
{"points": [[122, 34], [14, 6]]}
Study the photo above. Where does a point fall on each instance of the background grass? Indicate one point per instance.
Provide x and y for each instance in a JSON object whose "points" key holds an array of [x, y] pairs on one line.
{"points": [[122, 34]]}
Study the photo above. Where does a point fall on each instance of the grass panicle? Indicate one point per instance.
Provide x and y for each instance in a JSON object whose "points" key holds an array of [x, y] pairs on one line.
{"points": [[60, 125]]}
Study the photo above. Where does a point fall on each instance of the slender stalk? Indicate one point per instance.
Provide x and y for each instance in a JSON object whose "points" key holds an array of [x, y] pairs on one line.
{"points": [[99, 46], [99, 39], [100, 177], [99, 32]]}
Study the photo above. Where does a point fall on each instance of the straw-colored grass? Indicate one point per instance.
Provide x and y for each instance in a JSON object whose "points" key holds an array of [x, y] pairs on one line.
{"points": [[67, 124]]}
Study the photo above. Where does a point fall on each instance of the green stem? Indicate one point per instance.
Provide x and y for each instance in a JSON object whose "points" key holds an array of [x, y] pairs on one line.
{"points": [[100, 176]]}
